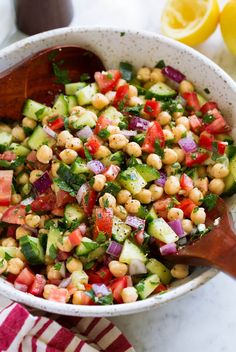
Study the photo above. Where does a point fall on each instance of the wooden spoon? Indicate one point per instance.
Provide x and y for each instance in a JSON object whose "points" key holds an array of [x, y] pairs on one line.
{"points": [[35, 77], [217, 248]]}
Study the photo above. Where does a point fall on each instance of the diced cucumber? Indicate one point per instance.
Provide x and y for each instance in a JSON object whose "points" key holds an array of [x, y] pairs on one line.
{"points": [[93, 255], [130, 251], [9, 252], [147, 172], [5, 140], [32, 250], [71, 88], [230, 180], [72, 102], [152, 215], [132, 180], [54, 236], [38, 138], [85, 95], [114, 159], [35, 110], [159, 229], [61, 105], [79, 168], [160, 91], [146, 286], [201, 99], [120, 231], [19, 149], [84, 120], [74, 213], [86, 246], [111, 113], [156, 267], [142, 212]]}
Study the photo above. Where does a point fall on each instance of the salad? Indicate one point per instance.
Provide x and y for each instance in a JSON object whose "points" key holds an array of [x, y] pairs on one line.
{"points": [[96, 190]]}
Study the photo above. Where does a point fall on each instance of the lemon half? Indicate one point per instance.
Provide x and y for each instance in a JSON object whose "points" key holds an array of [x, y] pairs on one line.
{"points": [[190, 21], [228, 25]]}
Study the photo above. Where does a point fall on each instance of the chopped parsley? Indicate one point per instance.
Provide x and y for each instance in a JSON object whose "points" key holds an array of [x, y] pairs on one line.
{"points": [[210, 200], [206, 90], [208, 118], [7, 256], [133, 110], [64, 186], [58, 266], [122, 34], [101, 237], [126, 70], [84, 77], [28, 208], [62, 76], [160, 64], [53, 251], [87, 154], [104, 133], [158, 149]]}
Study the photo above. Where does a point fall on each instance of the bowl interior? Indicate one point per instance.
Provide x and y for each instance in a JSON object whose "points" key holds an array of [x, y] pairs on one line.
{"points": [[140, 49]]}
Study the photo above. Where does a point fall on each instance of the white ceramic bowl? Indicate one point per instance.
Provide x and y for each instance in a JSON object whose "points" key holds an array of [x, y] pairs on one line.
{"points": [[140, 48]]}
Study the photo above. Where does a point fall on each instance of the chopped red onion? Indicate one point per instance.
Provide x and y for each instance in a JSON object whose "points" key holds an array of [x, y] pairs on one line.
{"points": [[20, 287], [83, 228], [84, 133], [42, 184], [161, 180], [128, 133], [135, 222], [27, 201], [177, 227], [81, 192], [65, 282], [96, 166], [188, 144], [100, 289], [136, 267], [138, 124], [49, 131], [114, 249], [29, 228], [173, 74], [167, 249]]}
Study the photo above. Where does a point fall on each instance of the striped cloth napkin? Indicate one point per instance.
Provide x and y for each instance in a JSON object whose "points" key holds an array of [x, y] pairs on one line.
{"points": [[24, 332]]}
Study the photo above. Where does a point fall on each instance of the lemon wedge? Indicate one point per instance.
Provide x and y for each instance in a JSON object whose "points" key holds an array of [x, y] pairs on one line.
{"points": [[228, 25], [190, 21]]}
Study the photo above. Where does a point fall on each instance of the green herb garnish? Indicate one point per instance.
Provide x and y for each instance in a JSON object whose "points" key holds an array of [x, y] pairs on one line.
{"points": [[210, 200], [62, 76], [160, 64], [84, 77]]}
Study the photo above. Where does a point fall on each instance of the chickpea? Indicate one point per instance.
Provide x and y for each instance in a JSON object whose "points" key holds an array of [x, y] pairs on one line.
{"points": [[216, 186], [164, 118], [172, 185], [196, 196], [5, 128], [180, 271], [107, 201], [202, 184], [102, 152], [132, 206], [201, 171], [100, 101], [183, 120], [180, 154], [120, 212], [198, 216], [134, 101], [187, 226], [54, 168], [129, 294], [156, 192], [74, 144], [68, 156], [32, 220], [170, 156], [144, 74], [29, 123], [65, 246], [179, 132], [44, 154], [178, 114], [99, 183], [110, 96], [74, 264], [16, 198], [45, 120], [3, 266], [157, 76], [185, 86], [133, 91], [117, 141], [15, 266], [47, 290], [168, 135], [21, 232], [9, 242], [113, 129], [144, 196], [22, 179], [123, 196], [209, 170], [133, 149], [63, 137], [155, 161], [118, 269], [77, 110], [219, 171], [35, 175], [175, 214], [18, 134], [53, 273]]}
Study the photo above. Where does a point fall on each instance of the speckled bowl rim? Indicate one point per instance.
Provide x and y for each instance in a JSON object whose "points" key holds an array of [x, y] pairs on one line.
{"points": [[199, 276]]}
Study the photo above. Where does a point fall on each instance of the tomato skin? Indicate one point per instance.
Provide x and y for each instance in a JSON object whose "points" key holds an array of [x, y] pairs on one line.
{"points": [[63, 198], [161, 207], [37, 286], [43, 203], [210, 105], [186, 182], [121, 97], [160, 288], [205, 140], [14, 215], [103, 221], [8, 156], [152, 108], [101, 276], [198, 159], [25, 277], [117, 286], [58, 295], [104, 82], [6, 177], [83, 298], [195, 123], [219, 125], [187, 205], [111, 172], [192, 101], [221, 146], [75, 237], [89, 201], [93, 144], [58, 212], [154, 132], [56, 124], [102, 123], [11, 231]]}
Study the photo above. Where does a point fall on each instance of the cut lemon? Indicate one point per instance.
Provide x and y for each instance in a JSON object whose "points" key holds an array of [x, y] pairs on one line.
{"points": [[228, 25], [190, 21]]}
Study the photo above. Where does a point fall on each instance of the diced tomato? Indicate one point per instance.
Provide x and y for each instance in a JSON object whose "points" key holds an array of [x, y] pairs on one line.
{"points": [[93, 144], [45, 202], [81, 153], [61, 256], [11, 231], [154, 133], [111, 172], [221, 146], [94, 278], [160, 288], [197, 158], [11, 278], [139, 237], [63, 198], [25, 277], [5, 187], [205, 140], [186, 183], [83, 299], [14, 215], [101, 276], [56, 123], [108, 80], [219, 125], [210, 105], [195, 123], [37, 286], [58, 212], [192, 101], [102, 123], [162, 204], [75, 237], [187, 206], [89, 201], [103, 221], [117, 286], [8, 156], [152, 108], [58, 295], [121, 97]]}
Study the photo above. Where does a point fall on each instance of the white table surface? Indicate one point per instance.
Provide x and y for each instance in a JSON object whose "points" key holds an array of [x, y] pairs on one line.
{"points": [[204, 320]]}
